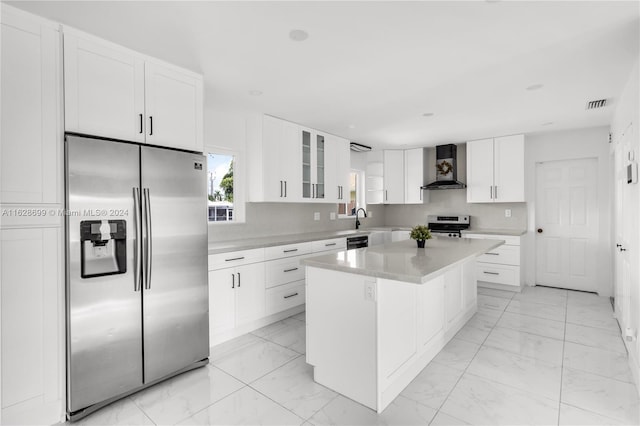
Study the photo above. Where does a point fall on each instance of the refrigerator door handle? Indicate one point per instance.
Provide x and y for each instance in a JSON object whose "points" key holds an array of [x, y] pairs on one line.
{"points": [[149, 243], [137, 261]]}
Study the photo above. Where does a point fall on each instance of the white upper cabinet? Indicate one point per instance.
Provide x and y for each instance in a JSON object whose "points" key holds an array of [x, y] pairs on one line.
{"points": [[495, 170], [393, 177], [30, 154], [173, 105], [276, 153], [414, 176], [337, 169], [313, 164], [114, 92]]}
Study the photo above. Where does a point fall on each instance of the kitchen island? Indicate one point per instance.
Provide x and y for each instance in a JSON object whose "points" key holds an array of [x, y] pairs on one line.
{"points": [[377, 316]]}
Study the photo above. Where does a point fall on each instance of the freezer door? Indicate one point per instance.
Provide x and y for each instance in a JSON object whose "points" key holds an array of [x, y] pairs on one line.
{"points": [[104, 331], [175, 293]]}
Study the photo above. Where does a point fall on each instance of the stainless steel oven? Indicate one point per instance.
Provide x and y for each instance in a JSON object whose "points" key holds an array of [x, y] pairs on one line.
{"points": [[359, 241]]}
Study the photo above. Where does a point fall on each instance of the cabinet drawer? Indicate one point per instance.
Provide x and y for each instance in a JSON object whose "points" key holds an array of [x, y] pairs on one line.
{"points": [[285, 296], [332, 244], [284, 271], [498, 274], [510, 240], [278, 252], [235, 258], [505, 255]]}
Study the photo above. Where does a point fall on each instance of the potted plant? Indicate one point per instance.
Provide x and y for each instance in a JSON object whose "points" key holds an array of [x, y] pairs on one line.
{"points": [[420, 233]]}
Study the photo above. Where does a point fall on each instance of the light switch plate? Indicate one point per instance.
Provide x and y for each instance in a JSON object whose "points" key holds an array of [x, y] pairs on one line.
{"points": [[316, 216], [332, 215], [507, 212]]}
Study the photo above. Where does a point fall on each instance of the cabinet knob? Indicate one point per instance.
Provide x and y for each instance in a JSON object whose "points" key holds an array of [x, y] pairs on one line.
{"points": [[539, 230]]}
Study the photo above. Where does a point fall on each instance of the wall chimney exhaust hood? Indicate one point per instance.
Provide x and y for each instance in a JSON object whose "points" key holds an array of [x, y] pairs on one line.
{"points": [[446, 169]]}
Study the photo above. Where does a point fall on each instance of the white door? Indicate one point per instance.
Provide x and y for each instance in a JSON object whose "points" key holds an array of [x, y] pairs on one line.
{"points": [[567, 224], [30, 159], [414, 176], [393, 177], [250, 293], [103, 89], [480, 171], [222, 301], [173, 105], [508, 169]]}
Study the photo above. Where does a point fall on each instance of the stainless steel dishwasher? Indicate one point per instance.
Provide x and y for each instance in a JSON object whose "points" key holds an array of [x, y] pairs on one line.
{"points": [[358, 241]]}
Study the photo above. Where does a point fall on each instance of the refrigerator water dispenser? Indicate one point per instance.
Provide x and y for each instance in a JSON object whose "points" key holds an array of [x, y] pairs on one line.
{"points": [[104, 248]]}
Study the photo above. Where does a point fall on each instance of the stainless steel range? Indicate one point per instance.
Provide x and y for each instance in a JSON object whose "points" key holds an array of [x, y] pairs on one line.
{"points": [[448, 225]]}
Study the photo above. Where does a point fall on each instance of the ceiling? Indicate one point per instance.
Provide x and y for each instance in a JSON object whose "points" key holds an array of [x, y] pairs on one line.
{"points": [[370, 70]]}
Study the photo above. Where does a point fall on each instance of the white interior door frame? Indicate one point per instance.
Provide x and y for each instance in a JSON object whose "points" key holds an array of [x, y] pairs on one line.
{"points": [[567, 223]]}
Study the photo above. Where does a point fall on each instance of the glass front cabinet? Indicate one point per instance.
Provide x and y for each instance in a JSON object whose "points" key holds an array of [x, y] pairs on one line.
{"points": [[313, 165]]}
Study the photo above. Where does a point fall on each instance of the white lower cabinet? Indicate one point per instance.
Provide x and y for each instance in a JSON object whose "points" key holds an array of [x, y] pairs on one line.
{"points": [[500, 267], [236, 294], [453, 295], [284, 297]]}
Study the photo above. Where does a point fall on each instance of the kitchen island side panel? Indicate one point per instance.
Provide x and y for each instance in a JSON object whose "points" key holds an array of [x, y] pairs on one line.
{"points": [[341, 333]]}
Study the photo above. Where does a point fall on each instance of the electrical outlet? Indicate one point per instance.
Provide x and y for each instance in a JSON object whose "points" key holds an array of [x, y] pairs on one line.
{"points": [[316, 216], [370, 213], [370, 291], [507, 212], [332, 215]]}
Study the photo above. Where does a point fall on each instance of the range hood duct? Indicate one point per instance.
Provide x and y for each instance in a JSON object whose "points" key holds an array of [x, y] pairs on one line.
{"points": [[446, 169]]}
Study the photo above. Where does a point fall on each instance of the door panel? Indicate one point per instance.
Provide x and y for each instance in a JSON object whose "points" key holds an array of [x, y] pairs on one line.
{"points": [[567, 214], [176, 310], [104, 334], [480, 171]]}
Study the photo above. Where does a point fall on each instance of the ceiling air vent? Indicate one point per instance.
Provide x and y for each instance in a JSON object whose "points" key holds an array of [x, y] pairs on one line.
{"points": [[600, 103], [357, 147]]}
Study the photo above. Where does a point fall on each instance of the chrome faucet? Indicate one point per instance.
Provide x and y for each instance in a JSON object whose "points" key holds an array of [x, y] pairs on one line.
{"points": [[358, 221]]}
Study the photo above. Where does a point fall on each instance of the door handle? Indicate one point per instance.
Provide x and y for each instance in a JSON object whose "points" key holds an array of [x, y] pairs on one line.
{"points": [[623, 249], [149, 243], [491, 192], [150, 125], [238, 279], [618, 245], [281, 189], [285, 189], [233, 280], [141, 123], [539, 230], [495, 192], [137, 261]]}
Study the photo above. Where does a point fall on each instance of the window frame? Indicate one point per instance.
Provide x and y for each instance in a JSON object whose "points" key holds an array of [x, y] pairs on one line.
{"points": [[360, 193], [238, 184]]}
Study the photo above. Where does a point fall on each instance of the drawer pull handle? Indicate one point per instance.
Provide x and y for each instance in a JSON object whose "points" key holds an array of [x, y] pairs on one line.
{"points": [[494, 254], [492, 273], [291, 295], [235, 258], [290, 250], [330, 244], [290, 270]]}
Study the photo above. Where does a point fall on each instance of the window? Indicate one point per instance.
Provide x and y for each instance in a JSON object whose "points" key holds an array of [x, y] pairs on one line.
{"points": [[220, 187], [355, 198]]}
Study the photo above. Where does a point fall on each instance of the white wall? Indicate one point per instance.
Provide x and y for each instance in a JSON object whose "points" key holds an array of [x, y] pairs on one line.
{"points": [[565, 145], [627, 119]]}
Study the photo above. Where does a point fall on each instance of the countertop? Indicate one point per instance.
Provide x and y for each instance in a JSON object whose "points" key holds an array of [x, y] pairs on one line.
{"points": [[276, 240], [508, 232], [402, 260]]}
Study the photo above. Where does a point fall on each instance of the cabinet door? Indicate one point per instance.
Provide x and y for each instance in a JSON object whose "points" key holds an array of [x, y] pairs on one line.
{"points": [[272, 141], [332, 180], [318, 166], [480, 171], [289, 162], [32, 304], [393, 177], [103, 89], [250, 292], [222, 297], [30, 154], [430, 310], [414, 176], [452, 295], [308, 190], [343, 170], [173, 104], [509, 169]]}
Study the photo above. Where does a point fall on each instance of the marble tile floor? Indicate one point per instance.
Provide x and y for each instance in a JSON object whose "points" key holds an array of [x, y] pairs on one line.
{"points": [[537, 357]]}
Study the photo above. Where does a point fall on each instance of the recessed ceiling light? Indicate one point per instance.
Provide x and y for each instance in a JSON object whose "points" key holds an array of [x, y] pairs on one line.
{"points": [[298, 35], [535, 87], [428, 114], [351, 126], [255, 92], [548, 123]]}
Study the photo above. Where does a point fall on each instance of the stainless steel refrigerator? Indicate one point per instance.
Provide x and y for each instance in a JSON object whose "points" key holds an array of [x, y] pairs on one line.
{"points": [[136, 285]]}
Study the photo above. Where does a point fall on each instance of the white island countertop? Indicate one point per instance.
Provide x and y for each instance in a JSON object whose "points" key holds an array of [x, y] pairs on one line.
{"points": [[403, 260]]}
